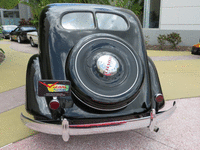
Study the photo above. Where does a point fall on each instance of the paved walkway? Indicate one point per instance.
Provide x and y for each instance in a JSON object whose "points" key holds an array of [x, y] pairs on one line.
{"points": [[22, 47], [181, 131]]}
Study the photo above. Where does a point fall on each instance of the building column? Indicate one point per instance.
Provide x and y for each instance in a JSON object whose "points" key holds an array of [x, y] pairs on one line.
{"points": [[1, 17], [29, 11], [146, 14]]}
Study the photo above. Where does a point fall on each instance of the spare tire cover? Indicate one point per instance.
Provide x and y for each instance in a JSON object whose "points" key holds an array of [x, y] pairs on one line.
{"points": [[105, 73]]}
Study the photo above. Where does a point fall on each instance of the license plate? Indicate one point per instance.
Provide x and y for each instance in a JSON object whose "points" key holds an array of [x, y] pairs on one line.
{"points": [[54, 88]]}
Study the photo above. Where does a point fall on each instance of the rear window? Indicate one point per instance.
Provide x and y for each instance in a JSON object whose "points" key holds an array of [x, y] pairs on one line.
{"points": [[111, 22], [28, 28], [78, 20]]}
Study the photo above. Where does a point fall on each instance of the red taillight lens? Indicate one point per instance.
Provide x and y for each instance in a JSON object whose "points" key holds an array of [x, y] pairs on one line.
{"points": [[54, 104], [159, 98]]}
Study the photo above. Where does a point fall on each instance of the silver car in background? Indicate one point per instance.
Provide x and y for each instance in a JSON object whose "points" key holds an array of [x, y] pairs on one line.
{"points": [[33, 37], [6, 29]]}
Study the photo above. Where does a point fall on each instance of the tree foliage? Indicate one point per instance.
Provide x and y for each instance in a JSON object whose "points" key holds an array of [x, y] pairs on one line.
{"points": [[37, 5], [135, 6], [8, 4], [162, 40]]}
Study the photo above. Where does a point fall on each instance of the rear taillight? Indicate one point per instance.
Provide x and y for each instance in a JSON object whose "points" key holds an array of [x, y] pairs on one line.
{"points": [[54, 104], [159, 98]]}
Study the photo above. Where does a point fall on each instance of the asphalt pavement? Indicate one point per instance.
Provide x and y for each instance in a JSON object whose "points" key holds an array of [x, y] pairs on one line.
{"points": [[179, 74]]}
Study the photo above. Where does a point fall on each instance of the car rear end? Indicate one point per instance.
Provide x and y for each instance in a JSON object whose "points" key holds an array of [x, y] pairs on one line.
{"points": [[25, 30], [91, 77]]}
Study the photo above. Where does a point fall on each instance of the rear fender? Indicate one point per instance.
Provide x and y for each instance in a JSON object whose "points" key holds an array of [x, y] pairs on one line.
{"points": [[34, 104], [155, 85]]}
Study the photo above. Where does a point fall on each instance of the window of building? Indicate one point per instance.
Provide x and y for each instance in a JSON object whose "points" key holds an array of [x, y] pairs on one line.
{"points": [[151, 14], [8, 14], [16, 14], [10, 17], [11, 14]]}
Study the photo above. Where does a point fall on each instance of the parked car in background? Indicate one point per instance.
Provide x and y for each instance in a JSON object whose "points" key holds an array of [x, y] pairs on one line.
{"points": [[6, 29], [196, 49], [33, 38], [92, 74], [20, 33]]}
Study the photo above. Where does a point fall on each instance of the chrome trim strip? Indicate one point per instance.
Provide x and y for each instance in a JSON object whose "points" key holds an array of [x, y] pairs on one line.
{"points": [[66, 131]]}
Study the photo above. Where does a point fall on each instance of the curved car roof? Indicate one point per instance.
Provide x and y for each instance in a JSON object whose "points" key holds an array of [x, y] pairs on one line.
{"points": [[88, 7]]}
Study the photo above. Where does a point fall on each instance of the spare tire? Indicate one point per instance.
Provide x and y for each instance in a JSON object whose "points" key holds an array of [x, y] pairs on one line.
{"points": [[105, 73]]}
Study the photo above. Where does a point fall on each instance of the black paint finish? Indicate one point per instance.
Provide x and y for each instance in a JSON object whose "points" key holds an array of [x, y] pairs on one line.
{"points": [[57, 46]]}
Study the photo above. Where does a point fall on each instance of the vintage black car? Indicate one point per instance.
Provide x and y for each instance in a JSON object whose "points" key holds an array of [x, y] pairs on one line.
{"points": [[92, 74], [20, 33]]}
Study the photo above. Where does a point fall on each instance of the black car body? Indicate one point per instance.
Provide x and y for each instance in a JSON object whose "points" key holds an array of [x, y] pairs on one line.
{"points": [[20, 33], [96, 55], [6, 29]]}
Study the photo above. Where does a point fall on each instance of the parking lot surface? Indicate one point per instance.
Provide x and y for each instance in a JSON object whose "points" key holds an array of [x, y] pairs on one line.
{"points": [[180, 79]]}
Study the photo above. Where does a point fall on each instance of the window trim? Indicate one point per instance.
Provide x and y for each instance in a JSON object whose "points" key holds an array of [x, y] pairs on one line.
{"points": [[95, 20]]}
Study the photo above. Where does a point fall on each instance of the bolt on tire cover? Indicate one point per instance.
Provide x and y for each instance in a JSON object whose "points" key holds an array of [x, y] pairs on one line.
{"points": [[106, 74]]}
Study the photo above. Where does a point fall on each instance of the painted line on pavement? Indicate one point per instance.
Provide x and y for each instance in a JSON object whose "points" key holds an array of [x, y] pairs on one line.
{"points": [[160, 53], [6, 146], [11, 127], [180, 78], [13, 69]]}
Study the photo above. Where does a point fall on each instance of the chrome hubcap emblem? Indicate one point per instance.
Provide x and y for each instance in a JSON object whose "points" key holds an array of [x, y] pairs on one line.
{"points": [[107, 65]]}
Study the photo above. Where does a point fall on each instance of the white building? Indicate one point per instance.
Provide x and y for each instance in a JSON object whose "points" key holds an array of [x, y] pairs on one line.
{"points": [[180, 16], [13, 16], [160, 17]]}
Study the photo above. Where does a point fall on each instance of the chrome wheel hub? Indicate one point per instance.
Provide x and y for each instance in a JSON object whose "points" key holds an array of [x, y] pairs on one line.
{"points": [[107, 65]]}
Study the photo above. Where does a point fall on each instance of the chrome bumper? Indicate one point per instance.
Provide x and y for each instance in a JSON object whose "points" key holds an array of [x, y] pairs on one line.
{"points": [[66, 130]]}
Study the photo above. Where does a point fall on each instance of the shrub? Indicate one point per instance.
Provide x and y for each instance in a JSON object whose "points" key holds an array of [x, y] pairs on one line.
{"points": [[161, 40], [174, 39], [23, 22], [147, 40]]}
